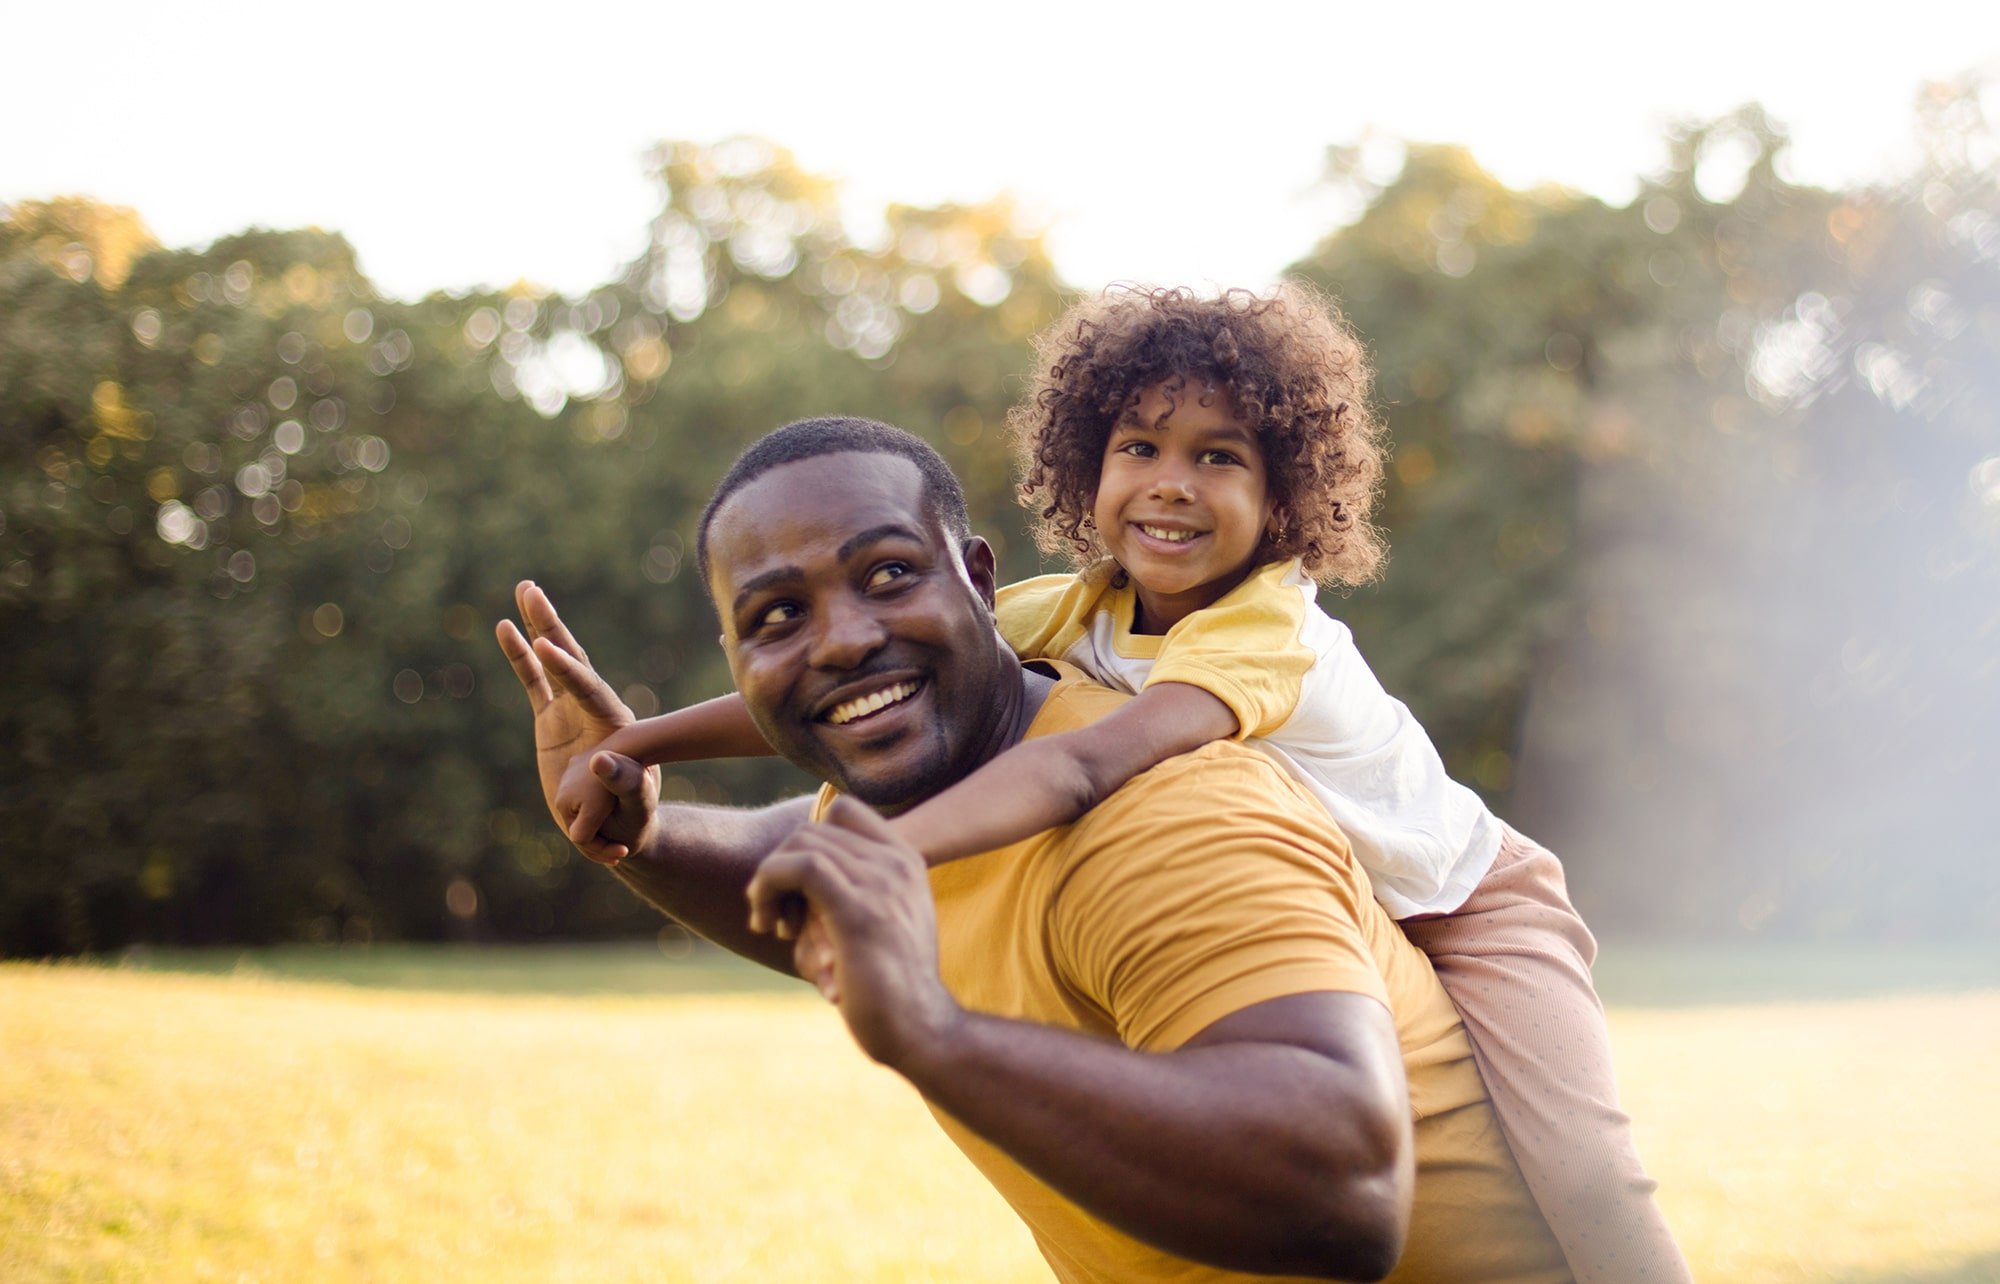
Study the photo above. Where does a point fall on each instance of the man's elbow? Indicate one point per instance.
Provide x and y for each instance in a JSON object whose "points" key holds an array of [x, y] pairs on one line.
{"points": [[1362, 1238], [1085, 782], [1359, 1216]]}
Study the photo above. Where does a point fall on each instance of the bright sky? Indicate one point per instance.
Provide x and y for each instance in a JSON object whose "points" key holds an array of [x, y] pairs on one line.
{"points": [[462, 145]]}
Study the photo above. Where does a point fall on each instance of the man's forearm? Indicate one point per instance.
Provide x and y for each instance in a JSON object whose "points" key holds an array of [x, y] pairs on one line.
{"points": [[1249, 1155], [696, 868]]}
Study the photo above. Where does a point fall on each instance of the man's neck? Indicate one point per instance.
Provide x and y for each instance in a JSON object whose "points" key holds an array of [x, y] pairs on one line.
{"points": [[1019, 700], [1034, 693]]}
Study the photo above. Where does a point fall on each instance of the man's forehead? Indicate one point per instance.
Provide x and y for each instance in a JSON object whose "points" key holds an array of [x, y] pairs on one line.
{"points": [[812, 506]]}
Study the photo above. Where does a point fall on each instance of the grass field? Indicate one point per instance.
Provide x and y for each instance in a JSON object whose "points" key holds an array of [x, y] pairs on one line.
{"points": [[608, 1114]]}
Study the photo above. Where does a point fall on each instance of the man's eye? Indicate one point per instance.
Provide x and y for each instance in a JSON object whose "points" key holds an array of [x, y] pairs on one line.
{"points": [[887, 573], [779, 613]]}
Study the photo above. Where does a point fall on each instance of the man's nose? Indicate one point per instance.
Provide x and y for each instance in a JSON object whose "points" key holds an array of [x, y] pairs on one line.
{"points": [[847, 634]]}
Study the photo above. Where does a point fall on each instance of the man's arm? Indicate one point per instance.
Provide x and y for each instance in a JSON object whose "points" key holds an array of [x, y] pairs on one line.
{"points": [[695, 862], [718, 728], [690, 862], [1277, 1140]]}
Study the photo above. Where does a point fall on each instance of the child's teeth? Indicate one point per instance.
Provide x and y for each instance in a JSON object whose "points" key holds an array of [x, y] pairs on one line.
{"points": [[1172, 537]]}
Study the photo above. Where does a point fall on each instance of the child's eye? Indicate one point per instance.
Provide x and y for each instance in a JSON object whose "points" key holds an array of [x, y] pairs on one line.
{"points": [[1218, 457], [887, 573], [1138, 449]]}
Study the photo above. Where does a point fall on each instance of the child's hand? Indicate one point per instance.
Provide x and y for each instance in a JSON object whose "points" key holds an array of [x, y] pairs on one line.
{"points": [[582, 806]]}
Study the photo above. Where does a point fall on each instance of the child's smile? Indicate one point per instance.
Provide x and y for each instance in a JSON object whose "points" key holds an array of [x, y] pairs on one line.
{"points": [[1182, 500]]}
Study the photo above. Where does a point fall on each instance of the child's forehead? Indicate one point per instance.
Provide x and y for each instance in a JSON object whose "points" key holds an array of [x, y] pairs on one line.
{"points": [[1198, 401]]}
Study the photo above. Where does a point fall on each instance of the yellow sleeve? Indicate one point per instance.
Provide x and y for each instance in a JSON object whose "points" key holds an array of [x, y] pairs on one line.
{"points": [[1245, 651], [1192, 895], [1041, 618]]}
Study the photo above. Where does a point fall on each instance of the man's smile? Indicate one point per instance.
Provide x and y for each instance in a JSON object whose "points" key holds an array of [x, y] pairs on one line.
{"points": [[856, 708]]}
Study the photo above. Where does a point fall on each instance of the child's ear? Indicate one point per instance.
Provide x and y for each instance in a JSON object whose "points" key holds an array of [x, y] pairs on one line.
{"points": [[1278, 523]]}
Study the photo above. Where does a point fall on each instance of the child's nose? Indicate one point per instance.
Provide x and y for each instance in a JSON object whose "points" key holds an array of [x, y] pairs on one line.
{"points": [[1173, 483]]}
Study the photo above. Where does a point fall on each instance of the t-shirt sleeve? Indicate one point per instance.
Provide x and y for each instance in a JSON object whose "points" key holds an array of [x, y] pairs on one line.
{"points": [[1176, 911], [1032, 612], [1246, 651]]}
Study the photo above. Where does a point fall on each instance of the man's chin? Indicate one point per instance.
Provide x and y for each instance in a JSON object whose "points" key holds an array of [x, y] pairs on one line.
{"points": [[890, 786]]}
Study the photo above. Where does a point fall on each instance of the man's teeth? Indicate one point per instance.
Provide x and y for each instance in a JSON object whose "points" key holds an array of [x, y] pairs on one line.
{"points": [[1172, 537], [861, 706]]}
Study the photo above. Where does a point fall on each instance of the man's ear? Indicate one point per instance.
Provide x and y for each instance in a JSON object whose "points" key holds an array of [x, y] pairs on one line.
{"points": [[977, 557]]}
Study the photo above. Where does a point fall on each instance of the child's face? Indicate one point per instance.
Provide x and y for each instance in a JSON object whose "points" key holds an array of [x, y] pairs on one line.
{"points": [[1182, 500]]}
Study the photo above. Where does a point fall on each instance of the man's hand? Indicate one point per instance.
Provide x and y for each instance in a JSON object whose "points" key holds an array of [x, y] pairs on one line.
{"points": [[869, 938], [575, 710]]}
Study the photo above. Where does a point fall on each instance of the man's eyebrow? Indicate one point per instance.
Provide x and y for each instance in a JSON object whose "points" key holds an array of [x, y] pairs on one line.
{"points": [[757, 583], [888, 530]]}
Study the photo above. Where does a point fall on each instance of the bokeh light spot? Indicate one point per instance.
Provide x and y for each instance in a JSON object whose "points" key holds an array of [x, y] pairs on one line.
{"points": [[461, 898]]}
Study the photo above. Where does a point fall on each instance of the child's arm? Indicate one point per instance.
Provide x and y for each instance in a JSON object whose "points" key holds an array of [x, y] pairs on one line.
{"points": [[1051, 781], [718, 728]]}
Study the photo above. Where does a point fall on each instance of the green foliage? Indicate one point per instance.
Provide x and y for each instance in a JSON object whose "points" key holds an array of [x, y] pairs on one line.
{"points": [[256, 522]]}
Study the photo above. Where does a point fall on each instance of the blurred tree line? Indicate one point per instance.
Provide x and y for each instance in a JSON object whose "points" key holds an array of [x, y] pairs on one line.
{"points": [[256, 522]]}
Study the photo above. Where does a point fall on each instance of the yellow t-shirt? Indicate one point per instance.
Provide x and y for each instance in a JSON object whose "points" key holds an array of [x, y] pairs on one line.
{"points": [[1206, 885]]}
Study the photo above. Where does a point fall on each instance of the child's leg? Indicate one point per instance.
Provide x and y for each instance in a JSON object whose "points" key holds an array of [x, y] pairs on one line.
{"points": [[1516, 959]]}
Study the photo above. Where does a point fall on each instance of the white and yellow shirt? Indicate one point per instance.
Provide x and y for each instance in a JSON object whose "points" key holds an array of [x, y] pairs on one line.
{"points": [[1301, 693]]}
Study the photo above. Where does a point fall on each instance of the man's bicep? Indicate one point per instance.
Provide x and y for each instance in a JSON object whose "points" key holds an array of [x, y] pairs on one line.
{"points": [[1352, 1032], [773, 824], [696, 870], [1338, 1068]]}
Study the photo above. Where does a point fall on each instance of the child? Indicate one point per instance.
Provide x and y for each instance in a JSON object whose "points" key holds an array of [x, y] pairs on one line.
{"points": [[1208, 462]]}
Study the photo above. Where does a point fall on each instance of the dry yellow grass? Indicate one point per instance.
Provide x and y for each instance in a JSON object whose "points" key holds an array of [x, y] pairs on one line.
{"points": [[1833, 1140], [195, 1128]]}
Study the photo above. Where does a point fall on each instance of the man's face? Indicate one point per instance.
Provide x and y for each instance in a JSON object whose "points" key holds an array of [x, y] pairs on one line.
{"points": [[859, 635]]}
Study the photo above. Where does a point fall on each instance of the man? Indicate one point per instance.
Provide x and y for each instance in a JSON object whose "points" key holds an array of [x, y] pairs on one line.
{"points": [[1179, 1036]]}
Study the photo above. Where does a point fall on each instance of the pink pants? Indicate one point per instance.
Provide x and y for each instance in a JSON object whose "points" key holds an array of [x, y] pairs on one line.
{"points": [[1516, 960]]}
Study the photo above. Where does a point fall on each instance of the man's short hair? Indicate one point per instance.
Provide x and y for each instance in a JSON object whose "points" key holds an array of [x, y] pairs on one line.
{"points": [[834, 435]]}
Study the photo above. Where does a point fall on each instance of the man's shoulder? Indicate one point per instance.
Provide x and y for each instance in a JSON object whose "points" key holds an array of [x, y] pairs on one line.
{"points": [[1226, 787], [1076, 700], [1223, 784]]}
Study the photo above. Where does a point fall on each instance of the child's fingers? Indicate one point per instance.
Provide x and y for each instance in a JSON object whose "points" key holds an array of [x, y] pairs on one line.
{"points": [[590, 817], [620, 775], [602, 852]]}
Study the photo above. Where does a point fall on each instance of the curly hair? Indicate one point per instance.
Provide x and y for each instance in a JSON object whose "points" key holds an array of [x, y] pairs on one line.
{"points": [[1292, 368]]}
